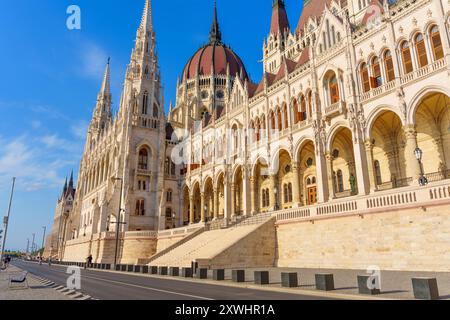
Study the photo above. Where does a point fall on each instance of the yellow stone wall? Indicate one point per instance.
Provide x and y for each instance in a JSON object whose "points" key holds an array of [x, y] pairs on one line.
{"points": [[413, 239]]}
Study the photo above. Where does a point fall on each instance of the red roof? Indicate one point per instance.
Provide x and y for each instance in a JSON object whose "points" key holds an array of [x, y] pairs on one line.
{"points": [[280, 21], [312, 9], [216, 55], [304, 57]]}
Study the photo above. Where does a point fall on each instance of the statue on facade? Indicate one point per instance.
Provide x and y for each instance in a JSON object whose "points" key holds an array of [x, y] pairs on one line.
{"points": [[353, 184]]}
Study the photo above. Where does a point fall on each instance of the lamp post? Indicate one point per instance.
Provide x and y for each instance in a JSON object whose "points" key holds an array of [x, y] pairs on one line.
{"points": [[423, 181], [118, 220], [6, 220], [43, 242]]}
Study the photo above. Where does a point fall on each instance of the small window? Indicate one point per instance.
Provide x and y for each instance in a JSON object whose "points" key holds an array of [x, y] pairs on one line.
{"points": [[364, 72], [376, 80], [421, 50], [140, 207], [436, 43], [389, 66], [378, 172]]}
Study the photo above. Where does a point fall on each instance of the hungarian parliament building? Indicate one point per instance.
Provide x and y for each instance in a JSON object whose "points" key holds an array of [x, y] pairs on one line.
{"points": [[338, 157]]}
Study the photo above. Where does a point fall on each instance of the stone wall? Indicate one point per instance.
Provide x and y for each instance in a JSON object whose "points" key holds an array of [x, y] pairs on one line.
{"points": [[411, 239], [256, 249], [137, 248]]}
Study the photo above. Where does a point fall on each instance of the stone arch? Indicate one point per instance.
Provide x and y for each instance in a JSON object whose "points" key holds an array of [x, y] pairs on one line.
{"points": [[373, 115], [419, 96], [307, 169], [301, 142], [333, 130]]}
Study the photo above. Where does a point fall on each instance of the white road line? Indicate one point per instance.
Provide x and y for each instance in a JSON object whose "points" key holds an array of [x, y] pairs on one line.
{"points": [[151, 289]]}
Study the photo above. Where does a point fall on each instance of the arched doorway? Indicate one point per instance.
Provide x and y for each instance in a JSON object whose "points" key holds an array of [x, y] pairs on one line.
{"points": [[263, 187], [308, 174], [220, 206], [285, 182], [209, 199], [196, 202], [186, 206], [237, 192]]}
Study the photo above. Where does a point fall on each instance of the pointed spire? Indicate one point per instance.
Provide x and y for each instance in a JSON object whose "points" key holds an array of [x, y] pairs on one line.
{"points": [[71, 180], [65, 188], [106, 84], [215, 36], [147, 19], [280, 21]]}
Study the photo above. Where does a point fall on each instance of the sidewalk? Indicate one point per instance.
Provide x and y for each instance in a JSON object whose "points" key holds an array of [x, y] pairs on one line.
{"points": [[37, 290]]}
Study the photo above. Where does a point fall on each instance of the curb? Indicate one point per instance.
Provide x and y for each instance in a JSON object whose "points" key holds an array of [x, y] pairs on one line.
{"points": [[75, 295]]}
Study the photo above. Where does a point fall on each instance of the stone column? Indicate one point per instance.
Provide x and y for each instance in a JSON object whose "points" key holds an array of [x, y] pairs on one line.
{"points": [[329, 164], [323, 176], [295, 185], [226, 200], [273, 198], [362, 176], [253, 195], [202, 207], [191, 210], [233, 199], [216, 204], [246, 201], [412, 165], [370, 165]]}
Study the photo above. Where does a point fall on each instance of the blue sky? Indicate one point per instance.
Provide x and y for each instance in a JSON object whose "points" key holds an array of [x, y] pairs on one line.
{"points": [[50, 77]]}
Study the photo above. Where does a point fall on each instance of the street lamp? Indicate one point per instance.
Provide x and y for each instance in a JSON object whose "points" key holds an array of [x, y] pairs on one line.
{"points": [[43, 242], [118, 220], [275, 192], [423, 181]]}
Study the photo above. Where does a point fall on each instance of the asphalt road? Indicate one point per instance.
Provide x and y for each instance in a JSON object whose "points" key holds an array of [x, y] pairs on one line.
{"points": [[122, 286]]}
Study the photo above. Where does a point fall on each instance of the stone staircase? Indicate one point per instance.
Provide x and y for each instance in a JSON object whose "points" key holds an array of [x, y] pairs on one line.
{"points": [[231, 247]]}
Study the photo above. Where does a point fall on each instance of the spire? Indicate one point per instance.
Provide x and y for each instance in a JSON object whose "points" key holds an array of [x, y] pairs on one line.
{"points": [[280, 21], [105, 90], [65, 188], [215, 35], [71, 180], [147, 19]]}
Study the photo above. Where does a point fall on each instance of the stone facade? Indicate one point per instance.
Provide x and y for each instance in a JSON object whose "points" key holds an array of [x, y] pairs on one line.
{"points": [[350, 116]]}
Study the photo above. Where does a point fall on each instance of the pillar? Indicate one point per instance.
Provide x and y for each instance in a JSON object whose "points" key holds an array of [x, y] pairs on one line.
{"points": [[272, 195], [191, 210], [370, 168], [216, 204], [253, 195], [324, 192], [233, 199], [295, 185], [202, 207], [247, 194], [412, 165], [329, 165], [362, 176]]}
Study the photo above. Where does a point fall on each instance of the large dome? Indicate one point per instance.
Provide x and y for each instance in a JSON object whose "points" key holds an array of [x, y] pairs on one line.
{"points": [[215, 55]]}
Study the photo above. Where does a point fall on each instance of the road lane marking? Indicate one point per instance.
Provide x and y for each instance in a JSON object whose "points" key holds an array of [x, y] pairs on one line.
{"points": [[142, 287]]}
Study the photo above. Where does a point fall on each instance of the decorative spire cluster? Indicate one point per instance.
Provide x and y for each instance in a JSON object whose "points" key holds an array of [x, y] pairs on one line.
{"points": [[280, 21], [147, 18], [215, 36]]}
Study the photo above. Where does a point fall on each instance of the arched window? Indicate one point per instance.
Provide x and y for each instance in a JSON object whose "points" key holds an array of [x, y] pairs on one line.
{"points": [[340, 181], [297, 115], [140, 207], [272, 121], [421, 51], [333, 88], [169, 195], [286, 119], [173, 168], [279, 118], [290, 197], [167, 166], [365, 77], [389, 66], [286, 193], [145, 103], [378, 172], [376, 80], [303, 113], [406, 57], [143, 159], [155, 111], [436, 43]]}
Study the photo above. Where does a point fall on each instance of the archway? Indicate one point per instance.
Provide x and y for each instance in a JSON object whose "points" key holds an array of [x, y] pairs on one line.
{"points": [[186, 206], [388, 151], [432, 119], [285, 182], [307, 173], [197, 202], [220, 206], [262, 186], [343, 164], [209, 199]]}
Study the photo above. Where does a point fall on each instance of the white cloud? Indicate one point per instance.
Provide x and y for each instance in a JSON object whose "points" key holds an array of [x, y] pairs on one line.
{"points": [[93, 60], [79, 129]]}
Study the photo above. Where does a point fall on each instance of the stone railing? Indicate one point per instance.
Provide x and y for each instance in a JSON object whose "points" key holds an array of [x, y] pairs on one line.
{"points": [[382, 201], [381, 90], [423, 72], [335, 108], [180, 231], [141, 234]]}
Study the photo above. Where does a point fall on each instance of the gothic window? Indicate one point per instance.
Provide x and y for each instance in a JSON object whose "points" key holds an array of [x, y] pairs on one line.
{"points": [[145, 103], [436, 43], [143, 159], [290, 198], [389, 66], [303, 114], [172, 168], [364, 72], [297, 115], [421, 50], [155, 111], [378, 172], [140, 207], [286, 119], [142, 185], [333, 88], [280, 123], [376, 80], [272, 120], [167, 166], [169, 195], [406, 57]]}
